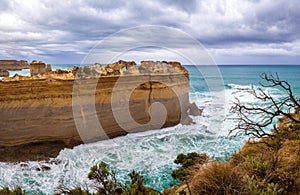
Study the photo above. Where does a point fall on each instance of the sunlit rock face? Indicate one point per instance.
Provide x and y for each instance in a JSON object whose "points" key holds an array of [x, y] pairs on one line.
{"points": [[36, 112], [39, 68]]}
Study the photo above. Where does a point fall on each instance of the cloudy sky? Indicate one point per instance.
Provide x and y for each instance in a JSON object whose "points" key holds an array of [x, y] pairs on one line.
{"points": [[233, 31]]}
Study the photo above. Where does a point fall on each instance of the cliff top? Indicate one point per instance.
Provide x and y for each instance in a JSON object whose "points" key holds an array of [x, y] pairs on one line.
{"points": [[41, 71]]}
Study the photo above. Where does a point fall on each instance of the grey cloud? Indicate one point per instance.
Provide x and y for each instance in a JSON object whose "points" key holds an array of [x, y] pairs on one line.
{"points": [[262, 22], [188, 6], [5, 5], [53, 27]]}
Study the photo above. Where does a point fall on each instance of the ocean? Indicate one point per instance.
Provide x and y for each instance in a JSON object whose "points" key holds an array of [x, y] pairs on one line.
{"points": [[152, 153]]}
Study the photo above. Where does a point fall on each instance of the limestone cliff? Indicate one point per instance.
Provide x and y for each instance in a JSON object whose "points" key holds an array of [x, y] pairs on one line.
{"points": [[38, 110], [13, 64]]}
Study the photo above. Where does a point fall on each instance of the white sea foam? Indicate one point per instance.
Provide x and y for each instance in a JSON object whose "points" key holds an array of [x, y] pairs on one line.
{"points": [[23, 72]]}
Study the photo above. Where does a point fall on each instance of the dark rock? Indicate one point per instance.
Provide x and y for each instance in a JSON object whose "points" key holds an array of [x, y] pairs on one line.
{"points": [[55, 161], [45, 168], [23, 165], [187, 121], [194, 110]]}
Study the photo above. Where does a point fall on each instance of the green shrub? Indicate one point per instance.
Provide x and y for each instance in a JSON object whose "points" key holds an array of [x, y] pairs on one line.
{"points": [[104, 180], [186, 161], [255, 166], [260, 186], [180, 173], [105, 183], [17, 191], [137, 187], [190, 159]]}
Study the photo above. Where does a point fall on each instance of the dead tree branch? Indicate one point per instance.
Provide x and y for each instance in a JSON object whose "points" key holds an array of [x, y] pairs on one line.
{"points": [[253, 120]]}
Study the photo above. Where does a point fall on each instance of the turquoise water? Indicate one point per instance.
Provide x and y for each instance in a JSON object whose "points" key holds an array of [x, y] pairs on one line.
{"points": [[250, 74], [152, 153]]}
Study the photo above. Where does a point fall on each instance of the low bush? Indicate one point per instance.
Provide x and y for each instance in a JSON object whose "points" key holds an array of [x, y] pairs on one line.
{"points": [[218, 178], [17, 191]]}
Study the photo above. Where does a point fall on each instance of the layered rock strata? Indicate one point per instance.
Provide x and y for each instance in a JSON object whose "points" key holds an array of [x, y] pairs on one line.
{"points": [[13, 65], [37, 112]]}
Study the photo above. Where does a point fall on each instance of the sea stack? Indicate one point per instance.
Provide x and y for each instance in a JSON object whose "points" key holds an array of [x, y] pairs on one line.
{"points": [[39, 68]]}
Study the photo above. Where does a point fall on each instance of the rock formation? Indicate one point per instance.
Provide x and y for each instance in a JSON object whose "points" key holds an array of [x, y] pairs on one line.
{"points": [[130, 68], [37, 112], [13, 65], [194, 110], [4, 73], [39, 68]]}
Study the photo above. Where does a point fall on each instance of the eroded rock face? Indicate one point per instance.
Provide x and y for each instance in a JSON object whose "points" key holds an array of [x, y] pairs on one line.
{"points": [[38, 111], [117, 68], [130, 68], [13, 65], [158, 67], [4, 73], [39, 68]]}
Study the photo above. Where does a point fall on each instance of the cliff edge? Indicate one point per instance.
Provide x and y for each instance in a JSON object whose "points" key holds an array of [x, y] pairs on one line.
{"points": [[36, 112]]}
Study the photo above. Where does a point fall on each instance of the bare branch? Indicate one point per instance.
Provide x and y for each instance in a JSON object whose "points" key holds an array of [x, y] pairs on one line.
{"points": [[266, 114]]}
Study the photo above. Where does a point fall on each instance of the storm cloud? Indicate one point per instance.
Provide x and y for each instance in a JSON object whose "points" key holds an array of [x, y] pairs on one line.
{"points": [[233, 31]]}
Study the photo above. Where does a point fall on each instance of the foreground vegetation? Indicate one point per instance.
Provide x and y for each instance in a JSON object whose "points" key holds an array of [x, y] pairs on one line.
{"points": [[269, 163], [270, 166], [16, 191], [105, 183]]}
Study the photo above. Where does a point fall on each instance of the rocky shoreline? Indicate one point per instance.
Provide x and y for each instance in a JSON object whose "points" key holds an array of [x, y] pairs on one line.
{"points": [[36, 112]]}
